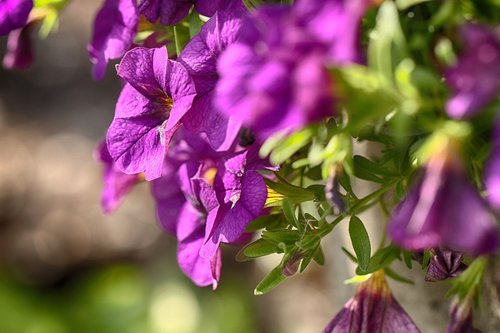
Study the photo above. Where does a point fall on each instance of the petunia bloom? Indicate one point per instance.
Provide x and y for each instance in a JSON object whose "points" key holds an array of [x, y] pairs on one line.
{"points": [[149, 110], [475, 79], [274, 78], [445, 264], [114, 29], [14, 14], [200, 57], [443, 209], [116, 183], [19, 49], [372, 309], [171, 12]]}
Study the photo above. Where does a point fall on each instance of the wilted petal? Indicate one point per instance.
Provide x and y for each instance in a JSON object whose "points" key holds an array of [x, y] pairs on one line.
{"points": [[445, 264], [372, 309], [14, 14], [114, 30]]}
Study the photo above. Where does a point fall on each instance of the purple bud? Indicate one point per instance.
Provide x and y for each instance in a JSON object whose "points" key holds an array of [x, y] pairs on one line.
{"points": [[461, 317], [445, 264]]}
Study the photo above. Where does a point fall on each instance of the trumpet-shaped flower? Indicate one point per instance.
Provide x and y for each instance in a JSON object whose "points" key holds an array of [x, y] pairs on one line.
{"points": [[443, 209], [492, 172], [474, 79], [157, 95], [372, 309]]}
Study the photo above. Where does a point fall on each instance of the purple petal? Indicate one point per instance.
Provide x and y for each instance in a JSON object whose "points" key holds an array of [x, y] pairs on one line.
{"points": [[19, 49], [114, 30], [116, 183], [14, 14]]}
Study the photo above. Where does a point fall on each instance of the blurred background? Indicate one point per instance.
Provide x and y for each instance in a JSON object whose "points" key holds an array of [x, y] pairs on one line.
{"points": [[66, 267]]}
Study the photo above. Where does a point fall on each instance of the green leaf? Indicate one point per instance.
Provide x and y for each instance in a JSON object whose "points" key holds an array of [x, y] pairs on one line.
{"points": [[380, 260], [289, 212], [319, 256], [282, 236], [181, 37], [395, 276], [274, 278], [470, 280], [259, 248], [387, 47], [360, 242], [350, 255], [291, 144], [407, 259], [268, 222], [195, 24]]}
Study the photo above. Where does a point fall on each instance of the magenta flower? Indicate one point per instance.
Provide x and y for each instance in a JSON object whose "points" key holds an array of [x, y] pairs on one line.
{"points": [[114, 29], [474, 80], [171, 12], [116, 183], [19, 49], [444, 209], [445, 264], [492, 172], [372, 309], [200, 58], [14, 14], [275, 77], [157, 95]]}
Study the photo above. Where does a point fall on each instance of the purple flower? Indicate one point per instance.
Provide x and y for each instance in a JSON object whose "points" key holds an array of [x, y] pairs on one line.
{"points": [[461, 317], [14, 14], [171, 12], [475, 79], [444, 209], [372, 309], [19, 49], [275, 77], [114, 29], [158, 93], [445, 264], [241, 193], [492, 172], [200, 58], [116, 183]]}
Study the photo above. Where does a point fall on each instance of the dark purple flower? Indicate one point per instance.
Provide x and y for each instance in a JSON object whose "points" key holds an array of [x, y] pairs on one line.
{"points": [[158, 93], [171, 12], [200, 58], [492, 172], [14, 14], [475, 79], [116, 183], [275, 77], [19, 49], [114, 29], [461, 317], [443, 209], [445, 264], [372, 309]]}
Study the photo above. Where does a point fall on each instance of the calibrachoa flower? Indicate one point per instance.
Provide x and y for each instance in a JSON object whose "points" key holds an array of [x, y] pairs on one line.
{"points": [[475, 79], [444, 264], [443, 209], [171, 12], [19, 49], [14, 14], [157, 95], [274, 77], [372, 309], [114, 29], [200, 58], [492, 172], [116, 183]]}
